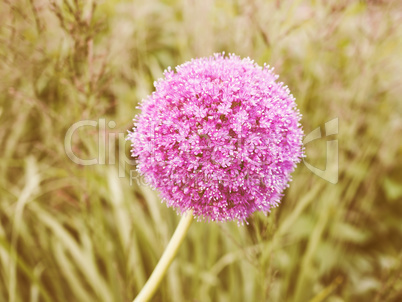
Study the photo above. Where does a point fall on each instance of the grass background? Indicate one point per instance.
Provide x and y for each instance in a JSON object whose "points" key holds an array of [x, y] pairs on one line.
{"points": [[70, 232]]}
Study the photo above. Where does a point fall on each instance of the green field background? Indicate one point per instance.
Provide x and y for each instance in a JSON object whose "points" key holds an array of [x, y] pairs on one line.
{"points": [[71, 232]]}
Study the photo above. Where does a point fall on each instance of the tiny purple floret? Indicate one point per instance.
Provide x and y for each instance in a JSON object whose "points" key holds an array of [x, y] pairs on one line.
{"points": [[219, 136]]}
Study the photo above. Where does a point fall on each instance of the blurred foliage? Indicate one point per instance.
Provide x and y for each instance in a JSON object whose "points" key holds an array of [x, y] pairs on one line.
{"points": [[70, 232]]}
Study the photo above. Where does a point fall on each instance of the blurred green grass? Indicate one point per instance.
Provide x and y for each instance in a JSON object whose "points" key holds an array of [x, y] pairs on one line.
{"points": [[80, 233]]}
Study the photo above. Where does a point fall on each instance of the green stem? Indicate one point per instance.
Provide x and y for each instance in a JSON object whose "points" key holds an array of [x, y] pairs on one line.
{"points": [[170, 252]]}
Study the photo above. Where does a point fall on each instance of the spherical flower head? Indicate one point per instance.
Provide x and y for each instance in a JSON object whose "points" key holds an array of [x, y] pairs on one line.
{"points": [[219, 136]]}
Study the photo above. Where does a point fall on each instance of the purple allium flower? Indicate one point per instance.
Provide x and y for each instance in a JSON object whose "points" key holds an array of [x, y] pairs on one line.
{"points": [[219, 136]]}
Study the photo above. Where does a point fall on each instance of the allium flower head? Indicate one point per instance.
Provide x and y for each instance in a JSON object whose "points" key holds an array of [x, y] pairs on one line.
{"points": [[219, 136]]}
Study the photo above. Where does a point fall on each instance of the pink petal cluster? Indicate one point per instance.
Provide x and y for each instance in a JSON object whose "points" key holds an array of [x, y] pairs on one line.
{"points": [[219, 136]]}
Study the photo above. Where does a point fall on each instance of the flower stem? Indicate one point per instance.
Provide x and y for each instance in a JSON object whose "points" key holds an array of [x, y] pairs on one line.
{"points": [[170, 252]]}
